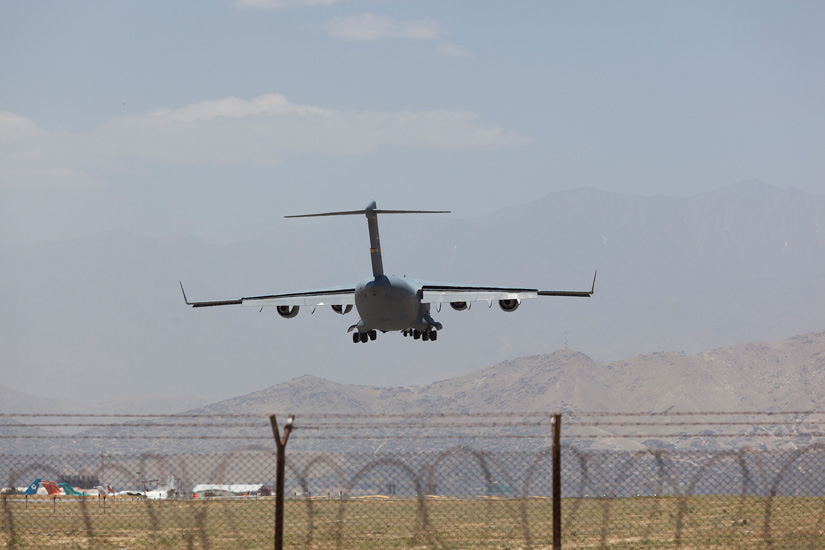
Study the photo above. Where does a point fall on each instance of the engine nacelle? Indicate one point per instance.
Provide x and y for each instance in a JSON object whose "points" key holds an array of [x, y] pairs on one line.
{"points": [[509, 305], [459, 306], [287, 312], [342, 309]]}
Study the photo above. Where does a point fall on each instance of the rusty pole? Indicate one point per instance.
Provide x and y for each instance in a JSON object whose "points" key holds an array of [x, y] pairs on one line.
{"points": [[280, 443], [556, 424]]}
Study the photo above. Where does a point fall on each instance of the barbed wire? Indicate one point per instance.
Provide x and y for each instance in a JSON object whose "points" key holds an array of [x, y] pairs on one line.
{"points": [[569, 424], [406, 437], [696, 413], [407, 426], [110, 437], [423, 425], [567, 436], [428, 437], [569, 416], [566, 414], [132, 425], [100, 415]]}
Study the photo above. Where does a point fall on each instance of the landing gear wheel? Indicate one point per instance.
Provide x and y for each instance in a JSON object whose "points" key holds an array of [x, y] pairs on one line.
{"points": [[425, 335], [416, 334], [355, 338], [363, 336], [372, 334], [433, 335]]}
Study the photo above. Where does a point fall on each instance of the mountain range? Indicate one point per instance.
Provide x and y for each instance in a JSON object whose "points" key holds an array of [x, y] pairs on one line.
{"points": [[759, 376], [753, 379], [100, 321]]}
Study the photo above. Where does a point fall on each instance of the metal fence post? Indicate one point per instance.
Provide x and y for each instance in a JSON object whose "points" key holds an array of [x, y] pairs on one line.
{"points": [[279, 480], [556, 424]]}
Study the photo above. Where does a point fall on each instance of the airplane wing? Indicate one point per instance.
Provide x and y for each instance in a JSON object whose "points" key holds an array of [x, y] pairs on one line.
{"points": [[334, 296], [434, 293]]}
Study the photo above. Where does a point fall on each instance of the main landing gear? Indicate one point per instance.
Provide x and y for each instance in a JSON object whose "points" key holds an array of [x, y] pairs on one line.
{"points": [[363, 336], [426, 335]]}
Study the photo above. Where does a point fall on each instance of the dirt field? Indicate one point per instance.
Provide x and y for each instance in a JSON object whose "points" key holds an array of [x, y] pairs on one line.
{"points": [[718, 522]]}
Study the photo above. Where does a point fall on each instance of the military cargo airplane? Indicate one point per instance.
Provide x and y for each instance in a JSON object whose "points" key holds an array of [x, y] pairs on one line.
{"points": [[387, 303]]}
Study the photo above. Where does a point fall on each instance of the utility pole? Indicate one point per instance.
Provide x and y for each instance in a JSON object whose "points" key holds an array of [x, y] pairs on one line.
{"points": [[279, 480], [556, 425]]}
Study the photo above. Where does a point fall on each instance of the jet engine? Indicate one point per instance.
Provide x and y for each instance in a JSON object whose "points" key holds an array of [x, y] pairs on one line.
{"points": [[459, 306], [509, 305], [287, 312], [341, 309]]}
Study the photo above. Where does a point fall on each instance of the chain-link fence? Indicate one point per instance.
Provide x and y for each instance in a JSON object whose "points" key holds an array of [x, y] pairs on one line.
{"points": [[415, 481]]}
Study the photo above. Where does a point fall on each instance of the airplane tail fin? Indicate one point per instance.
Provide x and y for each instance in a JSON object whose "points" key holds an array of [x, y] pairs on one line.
{"points": [[68, 489], [371, 212], [51, 487], [171, 482], [32, 490]]}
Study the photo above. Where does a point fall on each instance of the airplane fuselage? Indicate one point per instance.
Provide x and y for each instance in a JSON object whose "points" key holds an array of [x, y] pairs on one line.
{"points": [[388, 303]]}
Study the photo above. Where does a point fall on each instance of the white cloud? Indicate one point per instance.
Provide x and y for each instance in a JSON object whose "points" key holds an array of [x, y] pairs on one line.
{"points": [[14, 127], [453, 50], [32, 157], [233, 108], [264, 131], [278, 4], [369, 27]]}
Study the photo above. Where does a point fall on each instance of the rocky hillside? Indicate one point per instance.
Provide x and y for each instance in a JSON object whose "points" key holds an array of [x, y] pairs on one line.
{"points": [[760, 376], [764, 377]]}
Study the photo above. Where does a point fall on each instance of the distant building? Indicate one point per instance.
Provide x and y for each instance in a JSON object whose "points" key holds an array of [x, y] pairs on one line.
{"points": [[207, 490]]}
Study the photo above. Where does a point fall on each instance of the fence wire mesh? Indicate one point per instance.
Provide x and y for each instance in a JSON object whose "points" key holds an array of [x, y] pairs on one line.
{"points": [[709, 480]]}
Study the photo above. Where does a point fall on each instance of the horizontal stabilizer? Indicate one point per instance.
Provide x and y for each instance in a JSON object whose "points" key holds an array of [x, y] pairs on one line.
{"points": [[370, 209], [362, 212]]}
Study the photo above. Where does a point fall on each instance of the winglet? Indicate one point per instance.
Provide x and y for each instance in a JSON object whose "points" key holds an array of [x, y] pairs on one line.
{"points": [[188, 303], [234, 301], [574, 293]]}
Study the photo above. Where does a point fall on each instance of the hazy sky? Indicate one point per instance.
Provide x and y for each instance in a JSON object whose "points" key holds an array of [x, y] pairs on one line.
{"points": [[218, 117]]}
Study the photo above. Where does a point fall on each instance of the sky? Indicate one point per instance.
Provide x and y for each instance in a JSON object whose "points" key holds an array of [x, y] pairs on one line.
{"points": [[218, 117]]}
